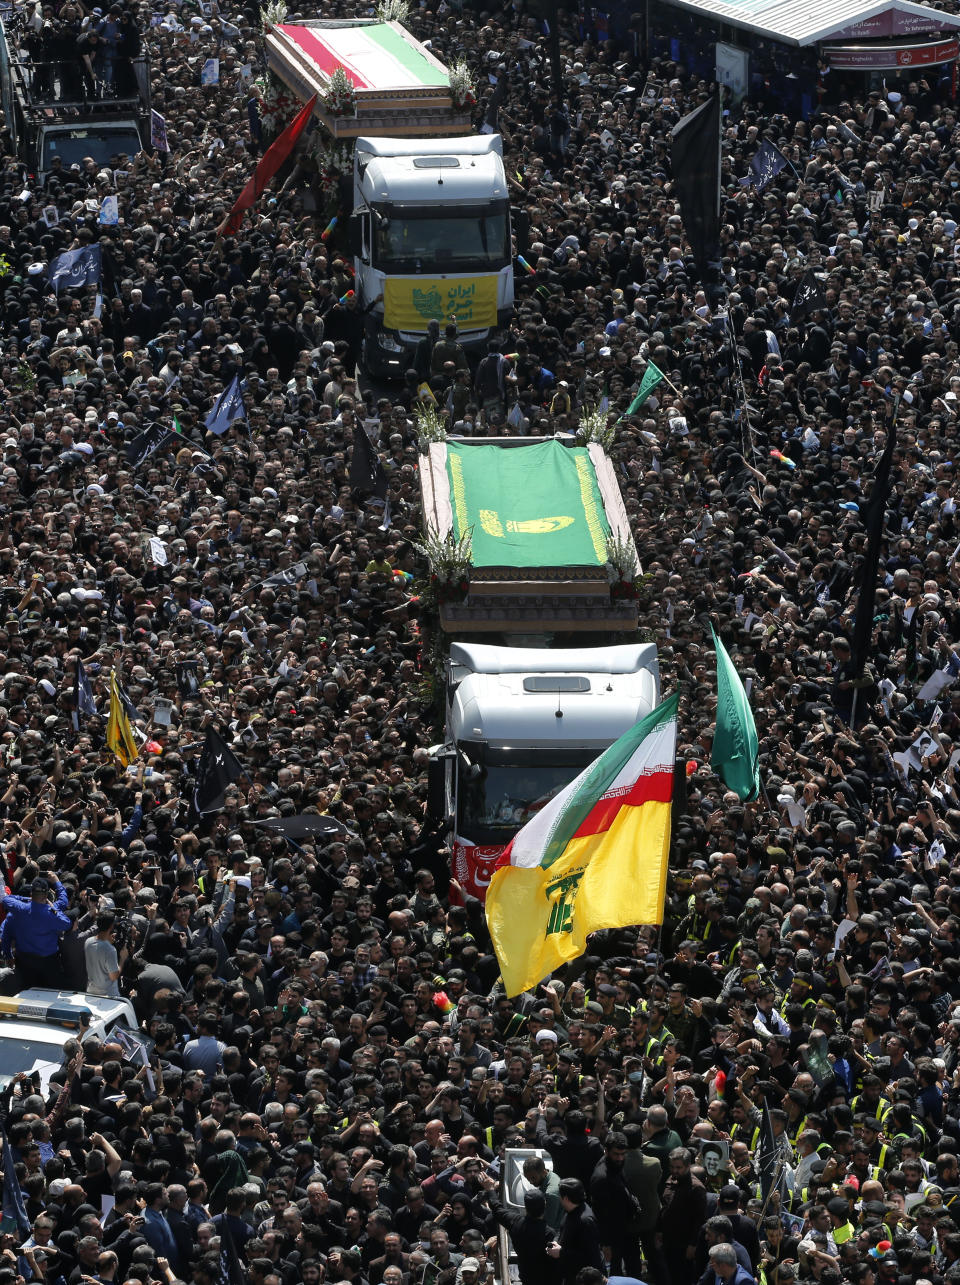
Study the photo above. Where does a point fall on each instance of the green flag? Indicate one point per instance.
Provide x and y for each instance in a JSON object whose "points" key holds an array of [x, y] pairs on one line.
{"points": [[177, 428], [735, 755], [651, 377]]}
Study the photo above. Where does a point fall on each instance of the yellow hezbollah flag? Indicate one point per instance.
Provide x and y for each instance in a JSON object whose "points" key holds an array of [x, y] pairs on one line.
{"points": [[410, 302], [594, 857], [120, 738]]}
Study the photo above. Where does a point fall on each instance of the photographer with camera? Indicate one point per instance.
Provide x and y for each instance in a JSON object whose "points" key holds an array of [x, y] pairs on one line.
{"points": [[104, 963], [36, 928]]}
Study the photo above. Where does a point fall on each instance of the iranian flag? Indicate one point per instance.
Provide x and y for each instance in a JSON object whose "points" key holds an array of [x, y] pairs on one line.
{"points": [[594, 857], [378, 55]]}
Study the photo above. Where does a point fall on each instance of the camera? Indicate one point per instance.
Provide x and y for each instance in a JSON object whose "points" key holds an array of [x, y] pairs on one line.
{"points": [[123, 929]]}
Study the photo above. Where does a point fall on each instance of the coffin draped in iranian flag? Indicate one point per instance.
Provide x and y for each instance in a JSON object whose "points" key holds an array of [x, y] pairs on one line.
{"points": [[400, 88]]}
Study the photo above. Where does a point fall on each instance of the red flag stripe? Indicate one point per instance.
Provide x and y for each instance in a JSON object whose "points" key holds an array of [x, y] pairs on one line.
{"points": [[269, 163], [328, 62], [657, 787]]}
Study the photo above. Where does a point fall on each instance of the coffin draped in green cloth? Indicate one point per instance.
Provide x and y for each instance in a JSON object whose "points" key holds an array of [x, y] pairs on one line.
{"points": [[528, 506]]}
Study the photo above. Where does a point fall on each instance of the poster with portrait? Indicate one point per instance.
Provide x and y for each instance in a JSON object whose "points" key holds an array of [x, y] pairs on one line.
{"points": [[713, 1156]]}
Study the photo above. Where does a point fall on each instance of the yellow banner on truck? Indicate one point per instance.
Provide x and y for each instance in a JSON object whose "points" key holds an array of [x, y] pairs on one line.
{"points": [[410, 302]]}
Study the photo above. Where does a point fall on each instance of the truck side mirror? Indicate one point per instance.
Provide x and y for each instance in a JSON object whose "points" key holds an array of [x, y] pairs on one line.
{"points": [[520, 221], [355, 235], [437, 788]]}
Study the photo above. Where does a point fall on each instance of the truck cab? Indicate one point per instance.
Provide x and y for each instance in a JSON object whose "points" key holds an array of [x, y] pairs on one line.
{"points": [[521, 723], [431, 239], [51, 115]]}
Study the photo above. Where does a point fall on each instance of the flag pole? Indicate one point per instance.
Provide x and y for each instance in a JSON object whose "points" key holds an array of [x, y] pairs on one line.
{"points": [[871, 556], [743, 389]]}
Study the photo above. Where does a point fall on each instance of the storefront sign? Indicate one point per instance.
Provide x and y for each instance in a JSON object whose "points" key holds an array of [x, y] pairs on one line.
{"points": [[733, 69], [890, 23], [889, 57]]}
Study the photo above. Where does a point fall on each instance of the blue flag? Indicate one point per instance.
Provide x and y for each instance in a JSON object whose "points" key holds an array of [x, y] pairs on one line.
{"points": [[228, 407], [15, 1218], [767, 163], [82, 695], [75, 269]]}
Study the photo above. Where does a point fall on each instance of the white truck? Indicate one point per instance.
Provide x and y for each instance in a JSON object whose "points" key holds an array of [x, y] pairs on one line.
{"points": [[521, 723], [430, 217], [431, 240], [36, 1023]]}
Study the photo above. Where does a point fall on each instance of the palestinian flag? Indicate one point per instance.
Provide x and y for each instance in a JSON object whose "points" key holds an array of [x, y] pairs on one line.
{"points": [[594, 857]]}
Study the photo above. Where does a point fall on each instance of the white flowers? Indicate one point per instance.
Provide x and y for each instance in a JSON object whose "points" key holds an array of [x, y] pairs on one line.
{"points": [[594, 426], [393, 11], [273, 13], [622, 565], [461, 83], [340, 98], [431, 427]]}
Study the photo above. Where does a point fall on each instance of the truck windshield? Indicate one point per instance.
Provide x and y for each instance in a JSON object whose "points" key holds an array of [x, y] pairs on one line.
{"points": [[496, 799], [474, 238], [99, 143]]}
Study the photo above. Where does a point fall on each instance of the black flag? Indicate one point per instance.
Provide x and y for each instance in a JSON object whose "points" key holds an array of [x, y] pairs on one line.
{"points": [[809, 297], [695, 160], [218, 767], [298, 827], [231, 1269], [287, 578], [151, 439], [873, 515], [367, 474]]}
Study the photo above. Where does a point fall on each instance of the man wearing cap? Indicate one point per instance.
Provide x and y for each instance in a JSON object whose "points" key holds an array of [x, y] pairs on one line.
{"points": [[744, 1229], [36, 926], [612, 1013]]}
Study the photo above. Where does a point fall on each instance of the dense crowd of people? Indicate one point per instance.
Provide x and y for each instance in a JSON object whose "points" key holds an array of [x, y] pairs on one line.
{"points": [[334, 1071]]}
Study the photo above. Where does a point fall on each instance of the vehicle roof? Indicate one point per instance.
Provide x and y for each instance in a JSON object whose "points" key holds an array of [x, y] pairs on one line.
{"points": [[495, 708], [104, 1008], [483, 658], [36, 1033], [470, 145], [400, 179]]}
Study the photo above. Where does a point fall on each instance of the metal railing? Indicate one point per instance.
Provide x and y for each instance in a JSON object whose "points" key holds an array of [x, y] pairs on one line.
{"points": [[62, 86]]}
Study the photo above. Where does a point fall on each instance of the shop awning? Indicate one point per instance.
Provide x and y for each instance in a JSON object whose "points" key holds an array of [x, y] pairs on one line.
{"points": [[807, 22]]}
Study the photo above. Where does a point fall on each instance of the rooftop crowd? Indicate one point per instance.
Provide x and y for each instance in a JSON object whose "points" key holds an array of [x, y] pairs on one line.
{"points": [[335, 1072]]}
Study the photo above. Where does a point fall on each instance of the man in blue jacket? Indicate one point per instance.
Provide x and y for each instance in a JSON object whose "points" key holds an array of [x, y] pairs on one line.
{"points": [[35, 928]]}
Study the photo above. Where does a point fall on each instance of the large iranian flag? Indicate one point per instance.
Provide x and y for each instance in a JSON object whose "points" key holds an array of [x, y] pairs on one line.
{"points": [[373, 57], [594, 857]]}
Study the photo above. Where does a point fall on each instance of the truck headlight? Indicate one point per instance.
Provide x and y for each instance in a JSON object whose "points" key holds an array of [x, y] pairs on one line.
{"points": [[388, 342]]}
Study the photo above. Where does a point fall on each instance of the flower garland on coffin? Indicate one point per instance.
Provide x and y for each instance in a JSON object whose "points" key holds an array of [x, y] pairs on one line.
{"points": [[623, 570], [332, 160], [461, 85], [276, 106], [340, 98]]}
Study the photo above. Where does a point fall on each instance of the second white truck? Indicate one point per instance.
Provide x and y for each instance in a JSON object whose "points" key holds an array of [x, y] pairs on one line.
{"points": [[521, 723]]}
